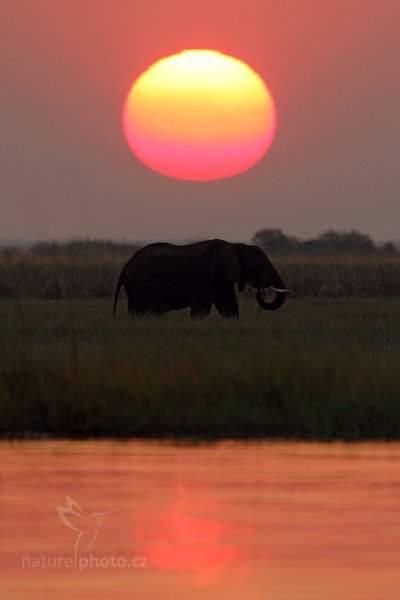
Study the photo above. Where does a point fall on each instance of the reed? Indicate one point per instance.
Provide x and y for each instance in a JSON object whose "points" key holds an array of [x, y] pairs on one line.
{"points": [[317, 369], [94, 274]]}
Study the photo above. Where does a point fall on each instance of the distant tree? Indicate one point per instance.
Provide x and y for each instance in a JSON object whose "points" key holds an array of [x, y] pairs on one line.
{"points": [[45, 248], [329, 242], [333, 242], [275, 241], [84, 247], [388, 248]]}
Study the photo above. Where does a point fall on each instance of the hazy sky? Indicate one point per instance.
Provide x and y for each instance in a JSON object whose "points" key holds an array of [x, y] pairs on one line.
{"points": [[66, 170]]}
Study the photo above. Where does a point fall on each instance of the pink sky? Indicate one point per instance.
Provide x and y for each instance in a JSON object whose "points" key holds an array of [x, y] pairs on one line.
{"points": [[66, 67]]}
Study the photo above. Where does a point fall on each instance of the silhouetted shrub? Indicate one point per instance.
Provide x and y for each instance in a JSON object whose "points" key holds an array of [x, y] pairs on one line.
{"points": [[274, 241]]}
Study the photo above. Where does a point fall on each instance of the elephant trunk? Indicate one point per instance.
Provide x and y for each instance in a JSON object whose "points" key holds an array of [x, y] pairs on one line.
{"points": [[280, 295], [277, 302]]}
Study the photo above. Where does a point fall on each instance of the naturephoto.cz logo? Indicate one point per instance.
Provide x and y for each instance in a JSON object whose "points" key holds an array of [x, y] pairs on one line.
{"points": [[87, 528]]}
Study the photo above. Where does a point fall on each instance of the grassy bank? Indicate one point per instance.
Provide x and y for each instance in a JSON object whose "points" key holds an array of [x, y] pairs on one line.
{"points": [[94, 274], [315, 370]]}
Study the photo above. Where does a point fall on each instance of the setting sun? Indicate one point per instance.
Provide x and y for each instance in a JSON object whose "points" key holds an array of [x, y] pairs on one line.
{"points": [[199, 115]]}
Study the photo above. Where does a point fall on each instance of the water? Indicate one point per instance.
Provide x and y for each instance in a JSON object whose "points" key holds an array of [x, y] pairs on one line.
{"points": [[275, 521]]}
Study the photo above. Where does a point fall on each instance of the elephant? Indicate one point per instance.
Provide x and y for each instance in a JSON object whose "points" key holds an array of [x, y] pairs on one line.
{"points": [[162, 277]]}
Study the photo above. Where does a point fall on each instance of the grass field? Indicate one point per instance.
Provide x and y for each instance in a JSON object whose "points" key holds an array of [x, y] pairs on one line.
{"points": [[94, 274], [316, 369]]}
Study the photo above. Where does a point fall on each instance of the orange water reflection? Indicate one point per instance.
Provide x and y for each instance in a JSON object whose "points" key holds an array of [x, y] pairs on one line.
{"points": [[186, 541], [231, 520]]}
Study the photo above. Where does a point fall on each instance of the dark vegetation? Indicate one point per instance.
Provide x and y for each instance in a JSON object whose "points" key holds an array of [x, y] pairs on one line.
{"points": [[330, 242], [85, 248], [317, 369]]}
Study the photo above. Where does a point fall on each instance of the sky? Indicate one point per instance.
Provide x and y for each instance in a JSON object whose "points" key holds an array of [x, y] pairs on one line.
{"points": [[67, 65]]}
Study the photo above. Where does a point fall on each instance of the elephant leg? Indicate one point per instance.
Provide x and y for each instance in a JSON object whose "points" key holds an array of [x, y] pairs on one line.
{"points": [[131, 307], [200, 311], [226, 303], [201, 301]]}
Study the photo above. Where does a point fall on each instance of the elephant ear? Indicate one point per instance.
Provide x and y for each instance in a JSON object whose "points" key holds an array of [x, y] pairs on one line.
{"points": [[230, 263]]}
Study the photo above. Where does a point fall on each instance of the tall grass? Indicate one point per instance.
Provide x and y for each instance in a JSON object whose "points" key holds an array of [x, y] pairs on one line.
{"points": [[44, 276], [330, 276], [315, 370], [84, 275], [277, 392]]}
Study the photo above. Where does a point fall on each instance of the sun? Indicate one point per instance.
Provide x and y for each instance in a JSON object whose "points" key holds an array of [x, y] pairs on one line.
{"points": [[199, 115]]}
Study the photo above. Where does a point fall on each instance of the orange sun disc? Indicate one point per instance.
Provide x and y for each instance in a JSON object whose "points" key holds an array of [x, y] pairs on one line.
{"points": [[199, 115]]}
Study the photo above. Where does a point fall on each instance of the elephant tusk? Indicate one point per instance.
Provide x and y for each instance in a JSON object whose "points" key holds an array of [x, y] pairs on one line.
{"points": [[278, 290]]}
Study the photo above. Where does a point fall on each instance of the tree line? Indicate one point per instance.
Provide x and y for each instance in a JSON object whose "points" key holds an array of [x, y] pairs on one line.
{"points": [[274, 241], [271, 240]]}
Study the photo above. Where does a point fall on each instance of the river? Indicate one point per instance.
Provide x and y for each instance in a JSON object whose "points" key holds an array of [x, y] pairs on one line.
{"points": [[144, 520]]}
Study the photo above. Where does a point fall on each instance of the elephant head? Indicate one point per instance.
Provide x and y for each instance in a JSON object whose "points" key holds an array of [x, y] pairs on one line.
{"points": [[247, 264]]}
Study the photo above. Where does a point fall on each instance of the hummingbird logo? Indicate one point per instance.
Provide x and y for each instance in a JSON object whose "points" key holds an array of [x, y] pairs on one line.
{"points": [[87, 526]]}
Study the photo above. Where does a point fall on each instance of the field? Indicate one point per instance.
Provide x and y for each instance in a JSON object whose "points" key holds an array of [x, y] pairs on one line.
{"points": [[319, 368], [92, 273]]}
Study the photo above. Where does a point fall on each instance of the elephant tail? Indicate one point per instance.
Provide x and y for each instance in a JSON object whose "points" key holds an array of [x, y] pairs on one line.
{"points": [[117, 291]]}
